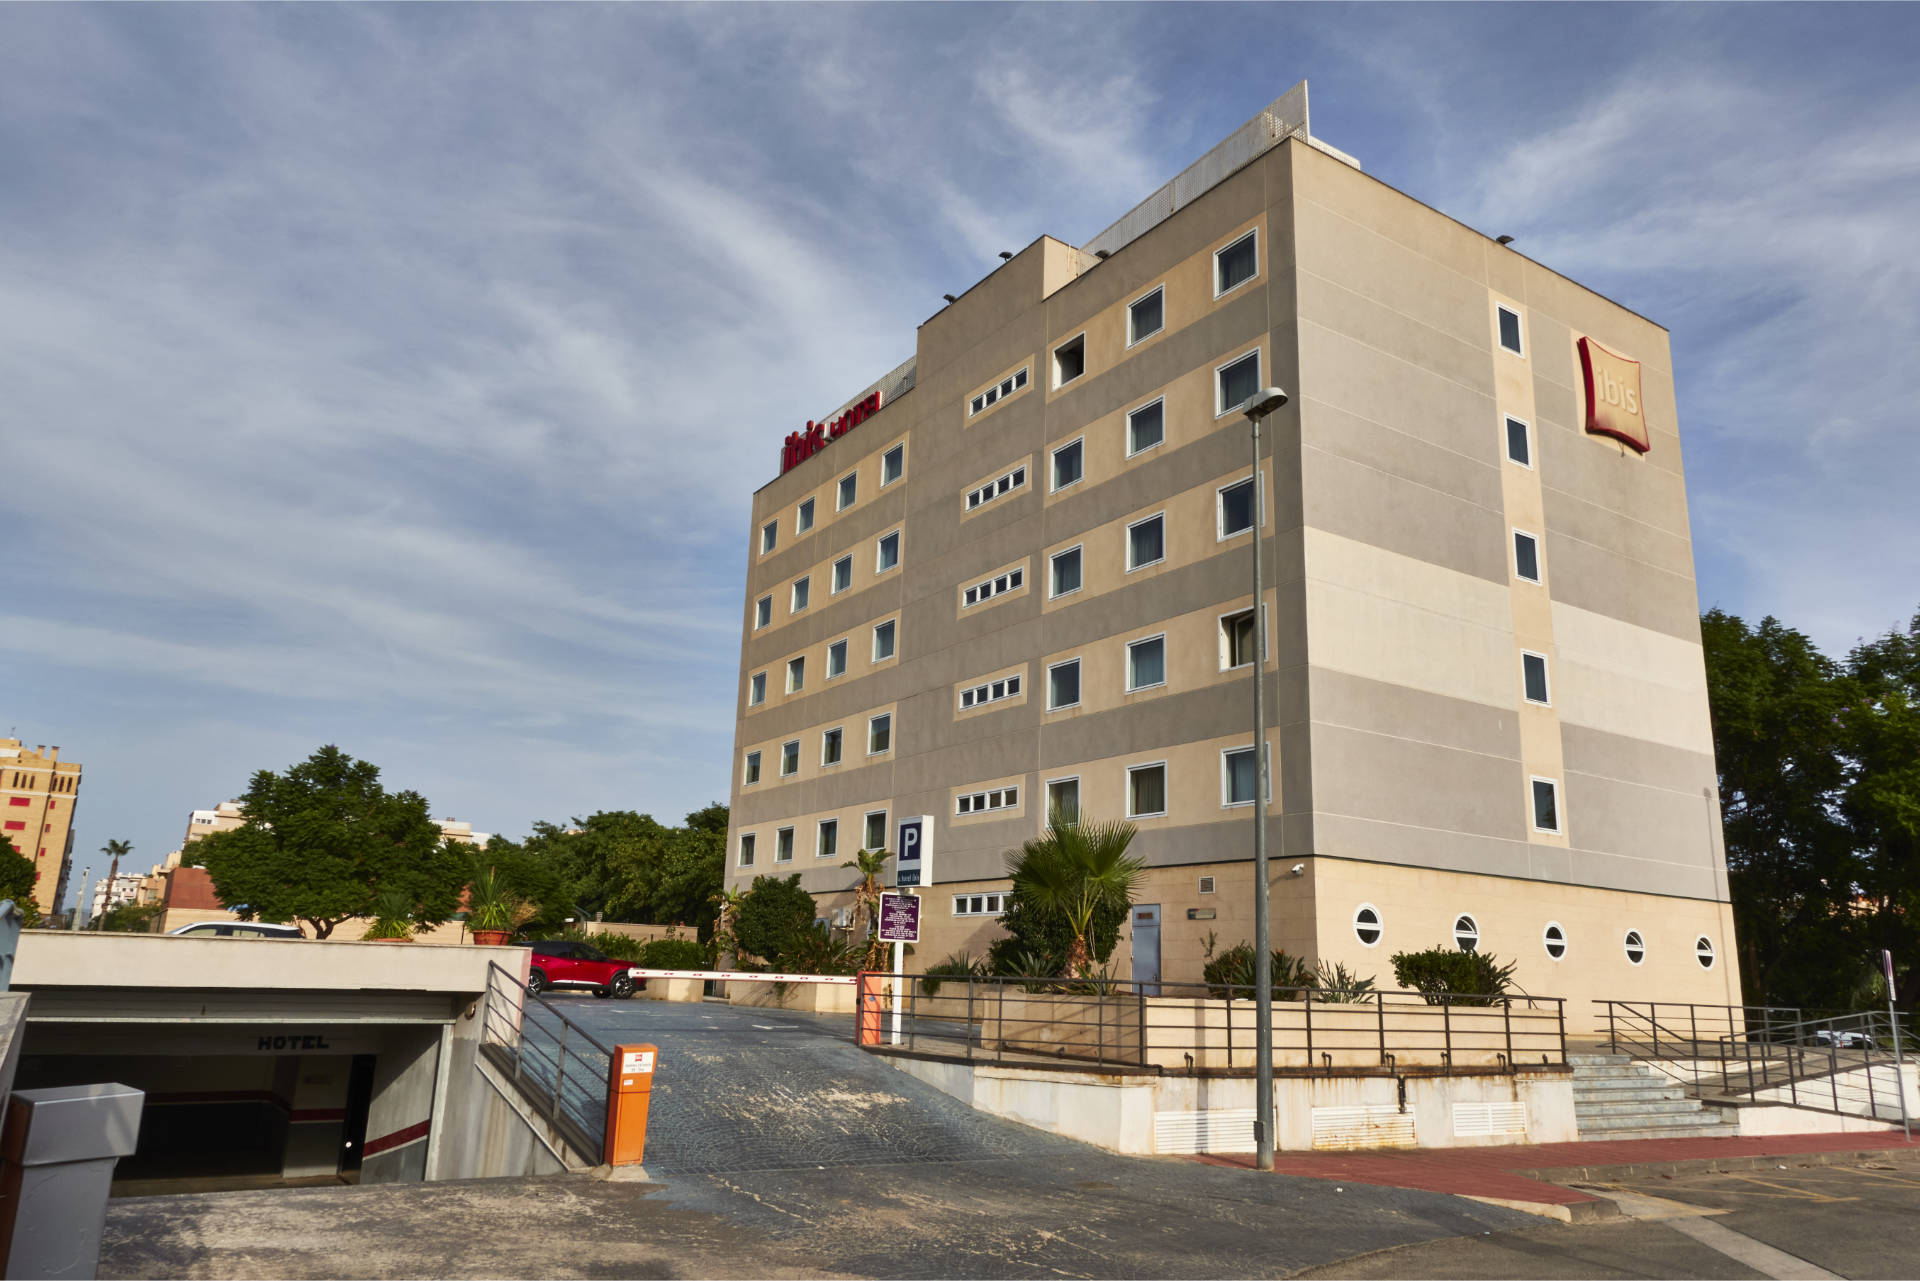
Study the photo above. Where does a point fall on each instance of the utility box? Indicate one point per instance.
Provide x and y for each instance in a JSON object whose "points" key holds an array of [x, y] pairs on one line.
{"points": [[56, 1168], [629, 1092]]}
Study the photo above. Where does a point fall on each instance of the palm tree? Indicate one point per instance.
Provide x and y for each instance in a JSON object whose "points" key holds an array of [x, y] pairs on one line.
{"points": [[872, 865], [1076, 870], [113, 849]]}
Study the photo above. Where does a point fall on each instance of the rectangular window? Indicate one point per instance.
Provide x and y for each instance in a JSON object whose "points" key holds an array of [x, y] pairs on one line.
{"points": [[887, 553], [1236, 383], [883, 641], [1064, 570], [769, 535], [796, 674], [1146, 427], [1236, 640], [849, 489], [1015, 479], [1546, 805], [830, 746], [753, 768], [746, 849], [1146, 542], [1509, 329], [828, 844], [1526, 556], [1533, 672], [879, 735], [762, 612], [1237, 782], [1236, 508], [893, 464], [876, 831], [783, 846], [1000, 391], [1519, 448], [757, 689], [1069, 360], [989, 692], [803, 519], [1063, 801], [1147, 317], [836, 659], [980, 904], [1147, 663], [1063, 685], [1235, 265], [1147, 790], [998, 585], [842, 574], [1066, 465], [999, 798], [790, 758], [802, 589]]}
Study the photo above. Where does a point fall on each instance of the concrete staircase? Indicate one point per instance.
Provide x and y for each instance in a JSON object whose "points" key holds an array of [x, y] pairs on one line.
{"points": [[1617, 1098]]}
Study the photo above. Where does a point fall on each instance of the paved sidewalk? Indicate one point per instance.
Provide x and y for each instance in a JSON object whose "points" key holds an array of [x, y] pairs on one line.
{"points": [[1527, 1175]]}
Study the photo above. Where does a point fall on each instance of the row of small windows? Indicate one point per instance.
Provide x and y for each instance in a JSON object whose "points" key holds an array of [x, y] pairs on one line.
{"points": [[989, 692], [832, 746], [883, 649], [1147, 787], [893, 465], [826, 841], [1146, 539], [993, 395], [886, 556], [999, 798], [981, 904], [1369, 929], [998, 585], [1013, 480]]}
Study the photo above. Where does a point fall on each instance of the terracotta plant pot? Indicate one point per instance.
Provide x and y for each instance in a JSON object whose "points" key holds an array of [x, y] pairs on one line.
{"points": [[492, 938]]}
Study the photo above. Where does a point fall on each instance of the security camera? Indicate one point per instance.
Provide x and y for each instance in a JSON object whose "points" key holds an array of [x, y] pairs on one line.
{"points": [[1298, 869]]}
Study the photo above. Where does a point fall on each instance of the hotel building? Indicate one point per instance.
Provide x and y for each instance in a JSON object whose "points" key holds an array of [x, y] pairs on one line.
{"points": [[38, 792], [1016, 574]]}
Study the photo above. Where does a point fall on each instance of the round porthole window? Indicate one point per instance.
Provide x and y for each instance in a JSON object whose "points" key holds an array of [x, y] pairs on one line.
{"points": [[1466, 933], [1703, 952], [1555, 939], [1366, 924], [1636, 947]]}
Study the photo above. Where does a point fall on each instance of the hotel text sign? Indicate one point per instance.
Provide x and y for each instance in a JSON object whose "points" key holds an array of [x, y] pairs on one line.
{"points": [[802, 445], [1615, 406]]}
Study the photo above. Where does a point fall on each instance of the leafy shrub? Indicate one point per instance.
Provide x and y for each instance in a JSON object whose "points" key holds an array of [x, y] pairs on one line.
{"points": [[817, 950], [672, 954], [1234, 968], [392, 917], [1335, 984], [774, 919], [1037, 937], [131, 918], [960, 965], [1448, 976]]}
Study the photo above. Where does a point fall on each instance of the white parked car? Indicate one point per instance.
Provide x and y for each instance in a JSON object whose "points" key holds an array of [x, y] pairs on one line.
{"points": [[239, 930], [1845, 1040]]}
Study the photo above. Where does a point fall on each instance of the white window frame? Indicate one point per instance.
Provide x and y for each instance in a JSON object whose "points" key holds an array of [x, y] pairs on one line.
{"points": [[750, 770], [1047, 791], [988, 800], [871, 720], [1220, 410], [1547, 940], [1166, 789], [992, 394], [794, 605], [833, 576], [763, 612], [803, 517], [880, 552], [1519, 327], [866, 821], [1053, 469], [1127, 677], [1079, 548], [797, 674], [1628, 943], [1539, 561], [1473, 934], [1011, 685], [1226, 780], [820, 835], [1080, 690], [745, 855], [894, 652], [1546, 678], [1253, 234], [840, 500], [1220, 636], [1161, 559], [1220, 534], [901, 450], [1506, 443], [1054, 356], [1006, 483], [993, 903], [793, 743], [1134, 338], [779, 842], [769, 536], [840, 645], [1140, 409], [1533, 807], [990, 588], [756, 689], [1379, 926], [1712, 955]]}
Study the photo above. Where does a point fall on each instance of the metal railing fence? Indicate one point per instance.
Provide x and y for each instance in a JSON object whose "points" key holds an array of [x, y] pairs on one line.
{"points": [[1209, 1028], [560, 1066]]}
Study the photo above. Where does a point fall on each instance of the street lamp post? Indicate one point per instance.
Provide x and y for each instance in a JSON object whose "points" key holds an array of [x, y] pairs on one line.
{"points": [[1263, 403]]}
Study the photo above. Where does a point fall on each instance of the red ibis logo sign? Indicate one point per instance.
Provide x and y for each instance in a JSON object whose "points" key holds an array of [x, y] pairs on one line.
{"points": [[1615, 406], [802, 445]]}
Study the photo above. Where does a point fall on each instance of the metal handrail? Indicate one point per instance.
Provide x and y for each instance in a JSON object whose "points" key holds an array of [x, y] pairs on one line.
{"points": [[560, 1065]]}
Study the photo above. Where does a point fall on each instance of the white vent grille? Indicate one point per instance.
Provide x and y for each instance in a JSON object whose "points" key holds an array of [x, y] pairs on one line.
{"points": [[1191, 1133], [1475, 1119], [1345, 1129], [1206, 885]]}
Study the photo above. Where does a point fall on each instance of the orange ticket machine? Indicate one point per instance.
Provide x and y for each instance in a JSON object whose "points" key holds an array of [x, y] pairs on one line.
{"points": [[629, 1090]]}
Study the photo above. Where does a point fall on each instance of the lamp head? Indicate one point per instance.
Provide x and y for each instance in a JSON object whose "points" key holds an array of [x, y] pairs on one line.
{"points": [[1264, 402]]}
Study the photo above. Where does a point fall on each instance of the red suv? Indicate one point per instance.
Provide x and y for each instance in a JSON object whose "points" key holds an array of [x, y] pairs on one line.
{"points": [[558, 963]]}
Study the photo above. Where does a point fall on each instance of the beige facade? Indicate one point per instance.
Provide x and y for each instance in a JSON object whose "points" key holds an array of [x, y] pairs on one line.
{"points": [[38, 793], [1486, 693]]}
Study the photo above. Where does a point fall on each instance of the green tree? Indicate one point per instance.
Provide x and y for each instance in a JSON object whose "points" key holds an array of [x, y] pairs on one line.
{"points": [[131, 918], [1881, 807], [773, 918], [872, 867], [529, 875], [626, 866], [321, 841], [16, 882], [1082, 877]]}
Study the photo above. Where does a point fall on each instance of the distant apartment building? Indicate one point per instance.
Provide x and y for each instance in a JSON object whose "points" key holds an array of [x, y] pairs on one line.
{"points": [[38, 792], [1014, 577], [124, 889]]}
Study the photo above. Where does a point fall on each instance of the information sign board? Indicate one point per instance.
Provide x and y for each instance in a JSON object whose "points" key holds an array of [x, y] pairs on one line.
{"points": [[899, 918]]}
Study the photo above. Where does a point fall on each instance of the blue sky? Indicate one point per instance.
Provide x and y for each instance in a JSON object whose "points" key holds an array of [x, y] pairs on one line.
{"points": [[399, 377]]}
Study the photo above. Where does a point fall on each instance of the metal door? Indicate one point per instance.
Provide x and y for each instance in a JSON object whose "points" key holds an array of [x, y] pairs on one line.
{"points": [[1146, 947]]}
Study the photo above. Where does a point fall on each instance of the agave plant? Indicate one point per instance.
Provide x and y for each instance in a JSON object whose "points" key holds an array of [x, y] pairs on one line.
{"points": [[1335, 984]]}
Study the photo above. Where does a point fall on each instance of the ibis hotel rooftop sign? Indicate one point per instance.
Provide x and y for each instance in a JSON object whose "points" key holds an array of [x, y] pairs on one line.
{"points": [[804, 444]]}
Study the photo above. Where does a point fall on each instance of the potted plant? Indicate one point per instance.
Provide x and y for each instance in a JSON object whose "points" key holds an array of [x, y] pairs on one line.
{"points": [[494, 911]]}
